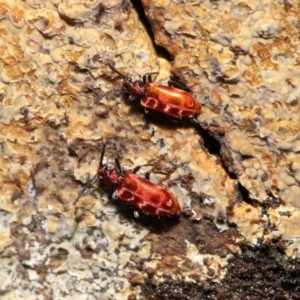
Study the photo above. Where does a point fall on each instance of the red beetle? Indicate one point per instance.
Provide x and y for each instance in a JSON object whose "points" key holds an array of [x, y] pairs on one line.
{"points": [[169, 100], [139, 192]]}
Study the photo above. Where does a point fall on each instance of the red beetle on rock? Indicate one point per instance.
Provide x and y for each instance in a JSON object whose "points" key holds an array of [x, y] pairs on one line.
{"points": [[137, 191], [168, 100]]}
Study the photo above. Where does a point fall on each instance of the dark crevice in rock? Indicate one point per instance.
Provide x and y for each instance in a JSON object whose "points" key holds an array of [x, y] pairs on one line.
{"points": [[161, 51]]}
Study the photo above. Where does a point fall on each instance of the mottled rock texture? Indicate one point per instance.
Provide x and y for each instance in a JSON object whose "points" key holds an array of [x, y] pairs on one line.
{"points": [[237, 168]]}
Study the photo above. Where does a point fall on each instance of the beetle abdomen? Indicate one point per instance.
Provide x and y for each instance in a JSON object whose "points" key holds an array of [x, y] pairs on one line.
{"points": [[147, 196]]}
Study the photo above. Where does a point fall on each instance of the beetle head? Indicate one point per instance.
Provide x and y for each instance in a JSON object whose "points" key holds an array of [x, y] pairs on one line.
{"points": [[111, 178], [135, 89]]}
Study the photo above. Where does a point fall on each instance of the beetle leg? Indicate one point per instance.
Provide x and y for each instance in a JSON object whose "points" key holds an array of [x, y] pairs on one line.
{"points": [[196, 122], [147, 175], [147, 77], [174, 82], [155, 164], [136, 214], [173, 119], [131, 98], [147, 111]]}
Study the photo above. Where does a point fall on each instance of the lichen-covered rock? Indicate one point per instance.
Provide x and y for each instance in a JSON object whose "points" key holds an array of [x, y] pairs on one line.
{"points": [[239, 60]]}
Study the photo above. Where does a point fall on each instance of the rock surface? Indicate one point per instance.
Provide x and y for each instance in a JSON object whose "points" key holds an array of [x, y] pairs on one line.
{"points": [[237, 175]]}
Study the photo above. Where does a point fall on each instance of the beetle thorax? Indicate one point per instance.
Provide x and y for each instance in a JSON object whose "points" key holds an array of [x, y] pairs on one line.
{"points": [[135, 89], [110, 178]]}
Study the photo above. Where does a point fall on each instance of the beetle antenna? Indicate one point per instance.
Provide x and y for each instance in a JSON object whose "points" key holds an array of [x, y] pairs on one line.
{"points": [[102, 154], [118, 165], [87, 185], [107, 93], [196, 122], [115, 70], [110, 65]]}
